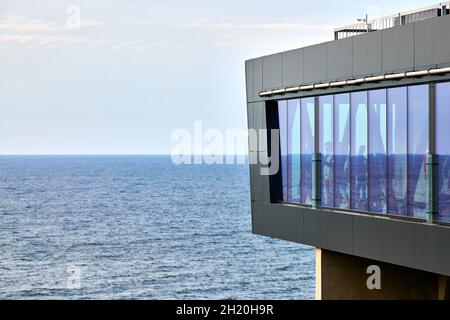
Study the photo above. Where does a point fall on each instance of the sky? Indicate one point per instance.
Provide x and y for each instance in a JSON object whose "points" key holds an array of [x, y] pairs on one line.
{"points": [[133, 72]]}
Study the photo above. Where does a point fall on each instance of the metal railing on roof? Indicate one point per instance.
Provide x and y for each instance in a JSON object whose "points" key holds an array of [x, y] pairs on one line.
{"points": [[391, 21]]}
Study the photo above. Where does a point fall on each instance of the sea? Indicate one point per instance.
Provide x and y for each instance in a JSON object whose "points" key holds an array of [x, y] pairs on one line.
{"points": [[138, 227]]}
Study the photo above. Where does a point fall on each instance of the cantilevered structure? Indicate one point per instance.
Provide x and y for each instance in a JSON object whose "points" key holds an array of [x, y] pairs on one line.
{"points": [[364, 153]]}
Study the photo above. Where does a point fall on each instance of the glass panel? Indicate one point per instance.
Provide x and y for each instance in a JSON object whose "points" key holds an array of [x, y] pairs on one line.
{"points": [[443, 147], [282, 118], [397, 150], [293, 180], [358, 151], [377, 150], [326, 149], [307, 148], [417, 149], [342, 150]]}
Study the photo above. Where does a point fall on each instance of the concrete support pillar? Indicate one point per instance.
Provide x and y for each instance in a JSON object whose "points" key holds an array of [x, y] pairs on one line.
{"points": [[340, 276]]}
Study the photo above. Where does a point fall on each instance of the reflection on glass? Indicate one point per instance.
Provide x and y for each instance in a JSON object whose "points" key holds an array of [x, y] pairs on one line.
{"points": [[307, 148], [358, 151], [341, 132], [282, 118], [443, 147], [293, 191], [326, 149], [397, 150], [417, 149], [373, 145], [377, 150]]}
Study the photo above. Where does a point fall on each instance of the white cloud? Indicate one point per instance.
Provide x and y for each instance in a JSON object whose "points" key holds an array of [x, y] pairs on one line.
{"points": [[117, 46], [145, 22], [108, 44], [21, 23], [91, 23], [40, 39], [270, 26], [22, 30]]}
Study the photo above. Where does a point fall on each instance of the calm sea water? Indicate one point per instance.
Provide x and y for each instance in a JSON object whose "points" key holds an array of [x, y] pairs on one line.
{"points": [[116, 227]]}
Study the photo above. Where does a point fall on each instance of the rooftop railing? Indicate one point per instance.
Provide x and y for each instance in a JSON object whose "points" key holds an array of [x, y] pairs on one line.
{"points": [[391, 21]]}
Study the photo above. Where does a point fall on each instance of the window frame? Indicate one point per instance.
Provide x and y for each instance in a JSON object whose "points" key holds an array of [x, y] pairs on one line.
{"points": [[431, 139]]}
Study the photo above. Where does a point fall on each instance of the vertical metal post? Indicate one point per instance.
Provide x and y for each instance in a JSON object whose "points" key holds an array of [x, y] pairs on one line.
{"points": [[316, 160], [432, 169], [431, 158], [316, 182], [386, 163]]}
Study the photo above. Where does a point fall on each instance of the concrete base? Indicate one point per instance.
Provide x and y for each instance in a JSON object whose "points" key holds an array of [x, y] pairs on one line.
{"points": [[340, 276]]}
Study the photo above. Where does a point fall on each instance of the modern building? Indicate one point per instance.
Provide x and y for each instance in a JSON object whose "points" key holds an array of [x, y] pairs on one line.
{"points": [[364, 155]]}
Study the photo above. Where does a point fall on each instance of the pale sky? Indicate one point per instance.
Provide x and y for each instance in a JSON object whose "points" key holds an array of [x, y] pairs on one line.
{"points": [[137, 70]]}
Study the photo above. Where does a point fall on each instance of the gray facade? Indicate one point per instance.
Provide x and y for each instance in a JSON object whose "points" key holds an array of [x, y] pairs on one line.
{"points": [[416, 46], [406, 242]]}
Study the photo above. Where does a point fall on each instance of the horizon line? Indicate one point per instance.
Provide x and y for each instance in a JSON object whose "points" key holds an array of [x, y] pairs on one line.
{"points": [[117, 154]]}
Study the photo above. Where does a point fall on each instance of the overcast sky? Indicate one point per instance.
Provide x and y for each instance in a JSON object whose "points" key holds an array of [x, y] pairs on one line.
{"points": [[137, 70]]}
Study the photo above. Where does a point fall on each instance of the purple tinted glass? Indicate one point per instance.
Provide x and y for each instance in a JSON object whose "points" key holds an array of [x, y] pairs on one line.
{"points": [[326, 149], [443, 147], [377, 150], [307, 148], [358, 151], [293, 153], [418, 102], [282, 118], [341, 133], [397, 151]]}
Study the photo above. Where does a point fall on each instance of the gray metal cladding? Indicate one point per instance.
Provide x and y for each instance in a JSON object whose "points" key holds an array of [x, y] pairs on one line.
{"points": [[367, 54], [261, 115], [420, 45], [253, 181], [339, 233], [374, 53], [333, 60], [273, 71], [257, 78], [292, 67], [265, 193], [441, 42], [431, 249], [398, 49], [367, 237], [272, 220], [339, 59], [292, 224], [258, 109], [345, 59], [398, 242], [315, 228], [250, 116], [257, 120], [423, 44], [432, 43], [256, 183], [405, 243], [314, 63], [257, 226], [249, 80]]}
